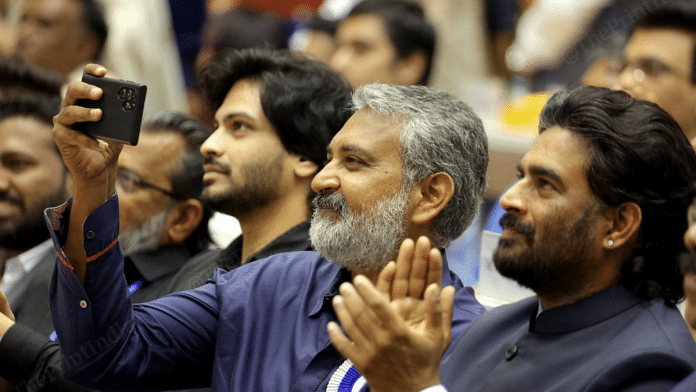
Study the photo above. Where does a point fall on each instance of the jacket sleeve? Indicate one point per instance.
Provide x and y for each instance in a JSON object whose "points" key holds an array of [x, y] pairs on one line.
{"points": [[109, 344], [31, 362]]}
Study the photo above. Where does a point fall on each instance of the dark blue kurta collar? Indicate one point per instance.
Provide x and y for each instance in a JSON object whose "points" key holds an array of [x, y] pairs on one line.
{"points": [[585, 312]]}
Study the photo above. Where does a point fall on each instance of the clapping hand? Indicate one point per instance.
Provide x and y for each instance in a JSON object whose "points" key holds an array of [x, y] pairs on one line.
{"points": [[397, 331]]}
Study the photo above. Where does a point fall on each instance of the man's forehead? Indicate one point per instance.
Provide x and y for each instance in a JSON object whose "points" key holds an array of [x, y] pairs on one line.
{"points": [[26, 127], [365, 127], [363, 27], [158, 149], [649, 42], [559, 150], [54, 9], [242, 99], [28, 136]]}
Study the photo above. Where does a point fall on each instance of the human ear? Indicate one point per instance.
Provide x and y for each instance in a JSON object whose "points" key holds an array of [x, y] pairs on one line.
{"points": [[412, 68], [305, 168], [625, 222], [183, 220], [431, 196]]}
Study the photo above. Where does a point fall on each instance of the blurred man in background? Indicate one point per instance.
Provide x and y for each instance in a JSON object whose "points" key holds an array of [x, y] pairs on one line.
{"points": [[385, 41], [62, 35]]}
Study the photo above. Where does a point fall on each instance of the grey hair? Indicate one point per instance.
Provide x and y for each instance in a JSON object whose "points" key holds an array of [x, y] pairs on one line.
{"points": [[187, 177], [440, 133]]}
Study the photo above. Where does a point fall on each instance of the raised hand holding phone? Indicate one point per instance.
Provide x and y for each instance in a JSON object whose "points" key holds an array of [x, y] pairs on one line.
{"points": [[122, 103], [91, 161]]}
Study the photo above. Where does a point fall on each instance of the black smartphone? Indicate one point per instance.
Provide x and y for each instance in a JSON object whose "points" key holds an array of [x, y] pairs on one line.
{"points": [[122, 105]]}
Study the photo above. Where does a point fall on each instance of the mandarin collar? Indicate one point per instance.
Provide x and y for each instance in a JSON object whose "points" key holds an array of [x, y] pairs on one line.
{"points": [[585, 312]]}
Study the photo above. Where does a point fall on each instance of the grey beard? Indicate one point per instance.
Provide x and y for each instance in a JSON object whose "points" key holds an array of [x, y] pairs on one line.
{"points": [[145, 238], [364, 241]]}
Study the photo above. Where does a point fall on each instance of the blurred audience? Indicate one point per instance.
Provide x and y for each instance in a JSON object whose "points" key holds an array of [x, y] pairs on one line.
{"points": [[556, 41], [659, 62], [19, 76], [501, 17], [387, 41], [142, 47], [317, 40], [61, 35], [239, 28]]}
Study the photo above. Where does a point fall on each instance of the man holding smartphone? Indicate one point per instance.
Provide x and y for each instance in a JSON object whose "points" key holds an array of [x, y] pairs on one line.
{"points": [[409, 164], [163, 224]]}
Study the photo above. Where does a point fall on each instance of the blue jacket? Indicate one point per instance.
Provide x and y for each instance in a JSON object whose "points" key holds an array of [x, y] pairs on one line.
{"points": [[260, 327]]}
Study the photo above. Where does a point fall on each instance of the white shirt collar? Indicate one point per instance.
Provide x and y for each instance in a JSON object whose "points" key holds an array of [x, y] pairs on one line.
{"points": [[19, 266]]}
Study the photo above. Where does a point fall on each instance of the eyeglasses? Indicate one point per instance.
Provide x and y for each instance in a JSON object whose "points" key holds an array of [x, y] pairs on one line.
{"points": [[651, 69], [129, 181]]}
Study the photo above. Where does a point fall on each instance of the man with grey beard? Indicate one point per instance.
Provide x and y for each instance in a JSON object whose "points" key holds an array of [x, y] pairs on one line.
{"points": [[163, 221], [409, 164], [594, 227], [380, 227]]}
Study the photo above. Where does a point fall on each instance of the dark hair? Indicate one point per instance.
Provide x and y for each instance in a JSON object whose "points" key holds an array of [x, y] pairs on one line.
{"points": [[187, 179], [244, 28], [442, 135], [638, 154], [40, 106], [18, 75], [407, 26], [304, 99], [95, 24], [675, 14], [320, 24]]}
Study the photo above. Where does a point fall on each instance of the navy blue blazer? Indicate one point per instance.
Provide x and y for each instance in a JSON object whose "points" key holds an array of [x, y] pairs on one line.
{"points": [[611, 341], [687, 385]]}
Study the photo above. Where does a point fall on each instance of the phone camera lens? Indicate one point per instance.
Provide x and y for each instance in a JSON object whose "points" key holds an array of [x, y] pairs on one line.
{"points": [[128, 106], [126, 94]]}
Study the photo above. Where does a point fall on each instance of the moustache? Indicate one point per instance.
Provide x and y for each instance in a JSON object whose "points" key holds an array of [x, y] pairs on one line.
{"points": [[332, 200], [514, 222], [12, 199], [687, 262], [222, 166]]}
